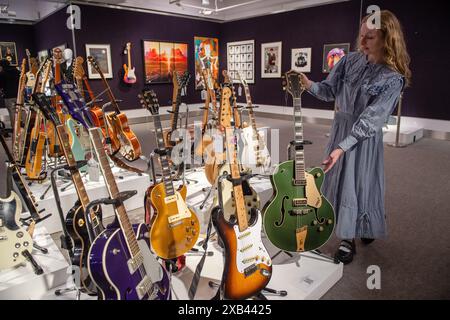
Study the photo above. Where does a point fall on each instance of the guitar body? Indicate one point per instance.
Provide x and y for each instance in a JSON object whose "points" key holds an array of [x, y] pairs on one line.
{"points": [[130, 75], [13, 239], [77, 229], [98, 120], [255, 154], [29, 125], [33, 163], [108, 266], [243, 275], [75, 144], [311, 225], [172, 239], [130, 148], [250, 196], [54, 149]]}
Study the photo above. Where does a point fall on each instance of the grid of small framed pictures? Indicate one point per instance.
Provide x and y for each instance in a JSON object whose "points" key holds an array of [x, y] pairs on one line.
{"points": [[241, 59]]}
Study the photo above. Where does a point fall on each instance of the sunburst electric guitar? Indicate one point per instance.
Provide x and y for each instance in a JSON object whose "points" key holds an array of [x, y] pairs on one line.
{"points": [[298, 217], [176, 227], [129, 74]]}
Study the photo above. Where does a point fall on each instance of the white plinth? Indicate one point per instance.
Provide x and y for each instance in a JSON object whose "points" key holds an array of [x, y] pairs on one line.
{"points": [[408, 134], [22, 283], [95, 190]]}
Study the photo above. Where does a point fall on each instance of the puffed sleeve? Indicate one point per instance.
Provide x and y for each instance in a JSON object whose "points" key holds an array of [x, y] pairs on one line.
{"points": [[372, 119], [326, 90]]}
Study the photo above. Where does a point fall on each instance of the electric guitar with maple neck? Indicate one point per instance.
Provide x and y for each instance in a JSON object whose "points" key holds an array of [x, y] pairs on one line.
{"points": [[31, 74], [176, 227], [255, 154], [130, 148], [248, 267], [298, 218], [228, 82], [18, 133], [129, 74], [120, 260], [82, 227], [96, 113]]}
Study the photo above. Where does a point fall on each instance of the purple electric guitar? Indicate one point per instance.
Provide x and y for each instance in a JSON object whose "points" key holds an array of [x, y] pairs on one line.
{"points": [[120, 261], [74, 102]]}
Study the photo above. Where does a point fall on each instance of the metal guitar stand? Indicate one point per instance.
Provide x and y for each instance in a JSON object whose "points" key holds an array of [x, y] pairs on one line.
{"points": [[66, 242]]}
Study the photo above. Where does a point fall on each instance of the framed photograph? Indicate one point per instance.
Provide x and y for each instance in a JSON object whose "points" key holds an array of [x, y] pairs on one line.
{"points": [[8, 51], [206, 56], [42, 55], [332, 53], [242, 53], [301, 59], [161, 58], [102, 55], [271, 60]]}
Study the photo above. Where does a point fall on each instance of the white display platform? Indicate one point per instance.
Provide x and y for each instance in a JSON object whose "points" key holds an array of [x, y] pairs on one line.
{"points": [[408, 134], [95, 190], [22, 283]]}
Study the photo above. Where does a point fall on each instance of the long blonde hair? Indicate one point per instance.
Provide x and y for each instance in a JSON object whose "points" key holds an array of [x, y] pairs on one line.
{"points": [[395, 53]]}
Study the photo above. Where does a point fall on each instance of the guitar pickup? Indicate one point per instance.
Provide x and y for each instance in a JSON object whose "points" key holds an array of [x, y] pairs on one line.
{"points": [[170, 199], [3, 238], [299, 202], [135, 263], [299, 182]]}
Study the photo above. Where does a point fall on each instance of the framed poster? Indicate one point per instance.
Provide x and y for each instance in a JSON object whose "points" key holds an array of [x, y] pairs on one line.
{"points": [[8, 51], [161, 58], [206, 56], [301, 59], [102, 55], [241, 58], [332, 53], [271, 60], [42, 55]]}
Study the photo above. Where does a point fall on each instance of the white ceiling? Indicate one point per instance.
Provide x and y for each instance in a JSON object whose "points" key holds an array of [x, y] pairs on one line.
{"points": [[220, 10]]}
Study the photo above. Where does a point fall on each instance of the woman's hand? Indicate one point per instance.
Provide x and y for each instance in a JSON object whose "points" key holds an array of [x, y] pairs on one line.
{"points": [[305, 81], [332, 159]]}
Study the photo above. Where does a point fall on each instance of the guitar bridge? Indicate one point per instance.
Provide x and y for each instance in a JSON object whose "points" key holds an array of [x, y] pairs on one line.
{"points": [[300, 212], [143, 288]]}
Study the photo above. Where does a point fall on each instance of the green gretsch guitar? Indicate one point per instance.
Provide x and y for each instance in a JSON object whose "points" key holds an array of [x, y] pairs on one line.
{"points": [[298, 218]]}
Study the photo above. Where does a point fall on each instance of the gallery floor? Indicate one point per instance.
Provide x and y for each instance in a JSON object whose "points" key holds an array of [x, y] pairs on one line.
{"points": [[415, 259]]}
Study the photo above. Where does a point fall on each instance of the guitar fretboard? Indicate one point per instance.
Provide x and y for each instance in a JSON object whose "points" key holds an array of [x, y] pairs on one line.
{"points": [[113, 190], [299, 160], [251, 115]]}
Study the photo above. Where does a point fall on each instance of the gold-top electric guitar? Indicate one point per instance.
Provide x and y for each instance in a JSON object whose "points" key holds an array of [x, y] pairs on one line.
{"points": [[176, 227]]}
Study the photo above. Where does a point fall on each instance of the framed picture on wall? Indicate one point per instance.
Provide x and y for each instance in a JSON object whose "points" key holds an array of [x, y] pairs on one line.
{"points": [[161, 58], [42, 55], [102, 55], [332, 53], [271, 60], [301, 59], [206, 56], [241, 58], [8, 51]]}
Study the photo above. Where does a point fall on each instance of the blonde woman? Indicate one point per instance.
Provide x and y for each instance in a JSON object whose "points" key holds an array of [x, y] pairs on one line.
{"points": [[366, 86]]}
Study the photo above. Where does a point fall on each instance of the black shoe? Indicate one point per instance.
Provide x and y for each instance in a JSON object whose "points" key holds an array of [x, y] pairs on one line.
{"points": [[346, 250], [367, 240]]}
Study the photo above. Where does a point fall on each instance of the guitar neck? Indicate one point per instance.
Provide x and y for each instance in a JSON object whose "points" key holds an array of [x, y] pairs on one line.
{"points": [[129, 57], [166, 175], [113, 190], [175, 109], [88, 88], [299, 161], [251, 115]]}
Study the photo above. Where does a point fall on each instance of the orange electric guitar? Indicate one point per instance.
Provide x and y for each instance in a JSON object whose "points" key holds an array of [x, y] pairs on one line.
{"points": [[176, 227], [130, 148]]}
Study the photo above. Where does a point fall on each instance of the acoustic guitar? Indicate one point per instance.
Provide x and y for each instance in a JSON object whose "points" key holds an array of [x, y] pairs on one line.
{"points": [[248, 267], [176, 227], [130, 148], [298, 218], [129, 74]]}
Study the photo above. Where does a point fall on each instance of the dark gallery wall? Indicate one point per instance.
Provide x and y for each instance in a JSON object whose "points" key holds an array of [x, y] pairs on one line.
{"points": [[22, 35], [424, 24]]}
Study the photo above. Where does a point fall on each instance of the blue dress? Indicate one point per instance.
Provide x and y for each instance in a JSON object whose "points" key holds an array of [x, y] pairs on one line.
{"points": [[365, 95]]}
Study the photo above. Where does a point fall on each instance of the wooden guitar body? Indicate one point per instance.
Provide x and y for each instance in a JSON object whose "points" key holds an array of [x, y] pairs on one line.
{"points": [[298, 218], [130, 148], [33, 163], [248, 267], [176, 227]]}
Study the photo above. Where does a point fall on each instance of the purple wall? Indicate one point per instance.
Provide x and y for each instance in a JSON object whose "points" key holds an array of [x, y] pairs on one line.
{"points": [[22, 35], [424, 24]]}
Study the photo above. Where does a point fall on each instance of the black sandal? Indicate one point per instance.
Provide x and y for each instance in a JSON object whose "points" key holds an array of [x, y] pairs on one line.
{"points": [[367, 240], [346, 250]]}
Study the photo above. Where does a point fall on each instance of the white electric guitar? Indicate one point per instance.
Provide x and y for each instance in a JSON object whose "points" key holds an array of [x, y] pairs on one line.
{"points": [[15, 242], [254, 154], [129, 76]]}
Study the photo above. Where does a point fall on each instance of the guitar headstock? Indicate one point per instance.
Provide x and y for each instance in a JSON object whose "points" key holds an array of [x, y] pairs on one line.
{"points": [[183, 80], [22, 67], [78, 70], [226, 77], [95, 65], [128, 47], [149, 101], [242, 78], [45, 105], [57, 55], [291, 82], [225, 108]]}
